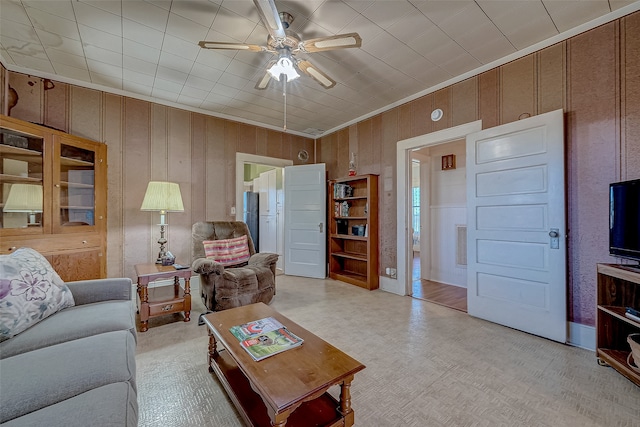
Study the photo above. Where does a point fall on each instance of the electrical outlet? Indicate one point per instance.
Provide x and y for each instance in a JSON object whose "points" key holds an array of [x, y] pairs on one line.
{"points": [[392, 273], [233, 210]]}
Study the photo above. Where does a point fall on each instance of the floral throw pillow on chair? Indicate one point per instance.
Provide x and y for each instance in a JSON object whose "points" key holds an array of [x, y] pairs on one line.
{"points": [[30, 291]]}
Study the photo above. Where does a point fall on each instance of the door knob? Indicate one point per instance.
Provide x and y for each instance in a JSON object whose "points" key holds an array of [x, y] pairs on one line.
{"points": [[554, 242], [554, 233], [320, 227]]}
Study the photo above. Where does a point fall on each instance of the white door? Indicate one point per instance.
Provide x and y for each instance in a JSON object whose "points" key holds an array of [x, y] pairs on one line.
{"points": [[516, 226], [305, 225]]}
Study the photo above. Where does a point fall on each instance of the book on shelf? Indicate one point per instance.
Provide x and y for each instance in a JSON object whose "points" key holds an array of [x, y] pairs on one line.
{"points": [[265, 337]]}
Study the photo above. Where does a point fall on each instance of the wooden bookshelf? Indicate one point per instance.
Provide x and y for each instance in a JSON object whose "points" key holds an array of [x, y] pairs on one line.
{"points": [[353, 258]]}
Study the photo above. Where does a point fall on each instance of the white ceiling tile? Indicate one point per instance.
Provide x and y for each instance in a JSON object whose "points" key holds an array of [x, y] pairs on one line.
{"points": [[523, 23], [97, 18], [243, 70], [387, 13], [359, 5], [4, 55], [13, 11], [232, 26], [218, 98], [68, 59], [246, 9], [164, 94], [167, 85], [29, 61], [181, 48], [165, 4], [381, 45], [61, 8], [460, 64], [18, 31], [104, 68], [103, 55], [140, 51], [18, 46], [333, 16], [111, 6], [214, 59], [146, 14], [50, 40], [410, 27], [175, 62], [364, 27], [171, 75], [136, 88], [106, 80], [205, 72], [492, 50], [570, 13], [91, 36], [227, 91], [186, 29], [187, 100], [137, 77], [617, 4], [71, 72], [135, 64], [194, 93], [137, 32], [202, 12], [440, 11]]}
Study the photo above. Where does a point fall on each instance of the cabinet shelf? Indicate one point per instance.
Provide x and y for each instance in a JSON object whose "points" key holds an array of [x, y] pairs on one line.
{"points": [[68, 161], [354, 259], [349, 237], [351, 255], [16, 179], [618, 288], [21, 154], [75, 185]]}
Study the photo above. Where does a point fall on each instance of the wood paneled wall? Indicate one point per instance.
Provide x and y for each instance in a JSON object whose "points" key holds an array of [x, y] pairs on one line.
{"points": [[594, 77], [148, 141]]}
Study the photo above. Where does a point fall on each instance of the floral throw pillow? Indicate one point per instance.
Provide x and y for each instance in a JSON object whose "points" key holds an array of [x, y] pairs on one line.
{"points": [[228, 252], [30, 291]]}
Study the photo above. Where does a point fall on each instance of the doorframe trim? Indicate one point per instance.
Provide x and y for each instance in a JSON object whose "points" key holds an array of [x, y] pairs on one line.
{"points": [[241, 159], [402, 285]]}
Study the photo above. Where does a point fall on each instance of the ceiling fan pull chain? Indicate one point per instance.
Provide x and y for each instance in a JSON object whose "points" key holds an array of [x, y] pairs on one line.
{"points": [[284, 94]]}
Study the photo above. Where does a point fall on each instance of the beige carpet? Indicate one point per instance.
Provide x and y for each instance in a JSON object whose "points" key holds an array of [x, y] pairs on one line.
{"points": [[427, 365]]}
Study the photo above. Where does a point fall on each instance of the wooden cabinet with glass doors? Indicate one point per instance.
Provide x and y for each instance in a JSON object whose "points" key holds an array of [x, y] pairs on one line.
{"points": [[53, 197], [353, 230]]}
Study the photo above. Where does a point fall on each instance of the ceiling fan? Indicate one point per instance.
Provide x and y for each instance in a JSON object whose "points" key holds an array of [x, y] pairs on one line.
{"points": [[286, 44]]}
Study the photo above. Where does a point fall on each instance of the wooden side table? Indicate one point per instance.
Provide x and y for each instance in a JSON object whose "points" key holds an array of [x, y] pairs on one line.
{"points": [[165, 299]]}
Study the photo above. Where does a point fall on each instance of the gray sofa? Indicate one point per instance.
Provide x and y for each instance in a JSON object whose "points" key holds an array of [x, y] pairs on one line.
{"points": [[77, 366]]}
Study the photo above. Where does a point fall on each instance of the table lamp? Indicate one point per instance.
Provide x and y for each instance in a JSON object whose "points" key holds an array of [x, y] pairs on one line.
{"points": [[25, 198], [164, 197]]}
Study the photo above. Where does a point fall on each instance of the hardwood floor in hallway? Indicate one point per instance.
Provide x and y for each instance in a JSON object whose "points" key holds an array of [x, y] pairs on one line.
{"points": [[438, 293]]}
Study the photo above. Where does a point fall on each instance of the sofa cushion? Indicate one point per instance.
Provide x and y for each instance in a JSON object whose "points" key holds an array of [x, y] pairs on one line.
{"points": [[43, 377], [228, 252], [73, 323], [111, 405], [30, 291]]}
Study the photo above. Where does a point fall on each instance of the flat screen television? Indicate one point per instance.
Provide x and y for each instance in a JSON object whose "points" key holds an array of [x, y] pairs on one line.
{"points": [[624, 219]]}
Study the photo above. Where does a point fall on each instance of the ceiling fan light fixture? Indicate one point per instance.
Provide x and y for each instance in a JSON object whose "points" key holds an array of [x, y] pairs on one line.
{"points": [[284, 66]]}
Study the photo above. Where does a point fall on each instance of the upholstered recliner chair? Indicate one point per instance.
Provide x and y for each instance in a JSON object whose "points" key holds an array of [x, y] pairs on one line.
{"points": [[233, 285]]}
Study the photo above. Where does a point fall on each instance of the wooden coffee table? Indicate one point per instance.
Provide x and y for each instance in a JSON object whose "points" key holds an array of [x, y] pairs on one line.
{"points": [[287, 388]]}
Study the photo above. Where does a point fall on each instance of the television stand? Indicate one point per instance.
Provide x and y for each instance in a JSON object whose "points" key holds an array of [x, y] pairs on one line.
{"points": [[618, 288]]}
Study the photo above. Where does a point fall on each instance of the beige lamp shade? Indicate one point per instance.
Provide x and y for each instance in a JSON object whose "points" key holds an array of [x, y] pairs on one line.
{"points": [[162, 196], [24, 198]]}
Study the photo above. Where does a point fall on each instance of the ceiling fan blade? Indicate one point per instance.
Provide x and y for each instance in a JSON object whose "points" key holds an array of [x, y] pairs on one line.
{"points": [[232, 46], [312, 71], [339, 41], [264, 81], [270, 18]]}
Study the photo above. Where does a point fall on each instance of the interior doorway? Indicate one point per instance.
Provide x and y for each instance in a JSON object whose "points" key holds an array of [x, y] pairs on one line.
{"points": [[438, 224], [262, 177]]}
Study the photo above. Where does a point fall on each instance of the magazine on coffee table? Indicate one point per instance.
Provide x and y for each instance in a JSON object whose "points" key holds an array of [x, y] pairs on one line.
{"points": [[265, 337]]}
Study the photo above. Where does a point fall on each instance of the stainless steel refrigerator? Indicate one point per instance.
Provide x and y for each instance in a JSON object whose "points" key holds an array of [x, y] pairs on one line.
{"points": [[251, 217]]}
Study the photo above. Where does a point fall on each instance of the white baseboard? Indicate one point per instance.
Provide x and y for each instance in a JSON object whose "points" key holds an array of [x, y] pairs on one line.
{"points": [[582, 336]]}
